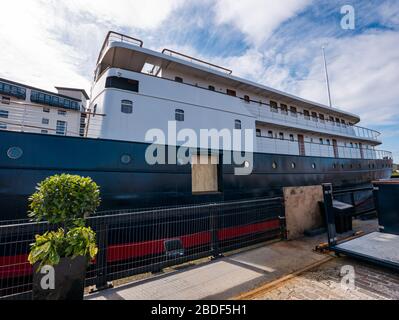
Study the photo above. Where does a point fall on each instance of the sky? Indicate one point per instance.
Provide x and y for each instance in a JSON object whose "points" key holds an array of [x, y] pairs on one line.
{"points": [[48, 43]]}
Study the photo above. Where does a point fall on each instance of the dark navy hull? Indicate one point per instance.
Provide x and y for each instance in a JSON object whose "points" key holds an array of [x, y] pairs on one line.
{"points": [[137, 184]]}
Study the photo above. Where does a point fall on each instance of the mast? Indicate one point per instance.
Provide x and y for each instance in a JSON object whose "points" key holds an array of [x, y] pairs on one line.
{"points": [[327, 79]]}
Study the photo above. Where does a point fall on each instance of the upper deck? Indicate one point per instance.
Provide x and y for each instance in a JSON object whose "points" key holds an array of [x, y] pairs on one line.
{"points": [[120, 51]]}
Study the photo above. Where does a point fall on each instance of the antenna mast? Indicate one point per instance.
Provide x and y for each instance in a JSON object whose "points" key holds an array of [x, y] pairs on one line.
{"points": [[327, 79]]}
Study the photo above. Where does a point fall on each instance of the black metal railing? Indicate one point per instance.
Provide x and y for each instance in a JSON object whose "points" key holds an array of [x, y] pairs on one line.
{"points": [[132, 242]]}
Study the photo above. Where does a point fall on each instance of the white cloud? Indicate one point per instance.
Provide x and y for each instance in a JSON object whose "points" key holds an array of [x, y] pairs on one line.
{"points": [[143, 14], [257, 18], [46, 43], [364, 77]]}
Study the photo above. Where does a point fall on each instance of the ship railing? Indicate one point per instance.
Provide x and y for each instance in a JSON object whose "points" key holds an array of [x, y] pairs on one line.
{"points": [[190, 59], [294, 147], [140, 241], [265, 113], [113, 36]]}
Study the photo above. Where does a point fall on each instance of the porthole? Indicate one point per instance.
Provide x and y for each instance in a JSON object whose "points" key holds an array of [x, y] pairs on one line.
{"points": [[15, 153], [351, 166], [313, 165], [342, 166], [373, 165], [246, 164], [293, 165], [126, 159], [274, 165], [334, 166]]}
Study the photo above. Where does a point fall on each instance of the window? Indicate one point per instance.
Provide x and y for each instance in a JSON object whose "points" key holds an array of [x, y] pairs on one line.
{"points": [[61, 128], [321, 117], [337, 121], [122, 83], [270, 134], [343, 122], [3, 114], [231, 93], [3, 126], [5, 100], [314, 116], [62, 112], [258, 133], [12, 90], [46, 110], [284, 109], [179, 115], [331, 119], [94, 110], [292, 137], [273, 106], [44, 131], [212, 88], [351, 144], [306, 114], [179, 79], [328, 142], [127, 106], [247, 99], [237, 124], [321, 141], [281, 136], [293, 112], [45, 121]]}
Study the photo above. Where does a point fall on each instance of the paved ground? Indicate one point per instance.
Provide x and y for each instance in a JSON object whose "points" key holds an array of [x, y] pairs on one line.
{"points": [[324, 283], [232, 276], [223, 278]]}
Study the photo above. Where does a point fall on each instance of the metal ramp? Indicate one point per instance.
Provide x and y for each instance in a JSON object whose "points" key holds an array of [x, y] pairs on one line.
{"points": [[376, 247]]}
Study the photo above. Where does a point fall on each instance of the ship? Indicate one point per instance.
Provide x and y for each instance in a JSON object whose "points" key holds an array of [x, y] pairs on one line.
{"points": [[294, 142]]}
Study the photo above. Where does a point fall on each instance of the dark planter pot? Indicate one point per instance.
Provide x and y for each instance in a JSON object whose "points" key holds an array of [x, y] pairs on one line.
{"points": [[69, 276]]}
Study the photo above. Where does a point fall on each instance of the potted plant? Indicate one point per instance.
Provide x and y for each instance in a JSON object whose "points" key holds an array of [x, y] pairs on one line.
{"points": [[60, 258]]}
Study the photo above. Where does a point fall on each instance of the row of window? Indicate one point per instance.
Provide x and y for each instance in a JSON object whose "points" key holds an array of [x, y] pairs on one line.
{"points": [[12, 90], [54, 101], [60, 129], [322, 141], [284, 108], [307, 114], [336, 165]]}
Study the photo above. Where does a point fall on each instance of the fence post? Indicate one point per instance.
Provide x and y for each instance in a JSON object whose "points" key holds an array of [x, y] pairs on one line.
{"points": [[329, 213], [213, 225], [376, 204], [101, 262], [283, 220]]}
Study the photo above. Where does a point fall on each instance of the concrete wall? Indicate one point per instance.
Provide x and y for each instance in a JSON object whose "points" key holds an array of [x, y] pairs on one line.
{"points": [[302, 209]]}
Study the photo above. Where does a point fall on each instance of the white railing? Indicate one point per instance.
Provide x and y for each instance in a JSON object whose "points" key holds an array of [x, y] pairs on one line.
{"points": [[288, 147], [263, 113]]}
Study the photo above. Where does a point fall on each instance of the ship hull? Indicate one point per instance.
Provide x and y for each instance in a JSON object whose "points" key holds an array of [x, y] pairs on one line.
{"points": [[138, 184]]}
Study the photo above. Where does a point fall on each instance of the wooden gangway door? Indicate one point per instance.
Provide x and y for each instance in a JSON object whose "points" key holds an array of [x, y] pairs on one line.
{"points": [[301, 144]]}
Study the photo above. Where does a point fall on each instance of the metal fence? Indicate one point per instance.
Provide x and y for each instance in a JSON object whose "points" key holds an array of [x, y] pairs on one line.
{"points": [[132, 242]]}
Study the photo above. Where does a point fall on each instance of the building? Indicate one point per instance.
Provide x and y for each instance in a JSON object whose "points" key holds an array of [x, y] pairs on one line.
{"points": [[28, 109]]}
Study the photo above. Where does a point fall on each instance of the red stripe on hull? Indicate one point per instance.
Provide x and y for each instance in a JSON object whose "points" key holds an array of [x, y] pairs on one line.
{"points": [[235, 232], [15, 266]]}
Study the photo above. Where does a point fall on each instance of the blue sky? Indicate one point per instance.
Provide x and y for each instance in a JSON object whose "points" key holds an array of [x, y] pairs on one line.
{"points": [[56, 42]]}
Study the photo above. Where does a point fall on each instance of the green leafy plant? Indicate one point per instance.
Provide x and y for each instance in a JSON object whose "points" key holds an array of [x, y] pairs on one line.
{"points": [[65, 200], [54, 245]]}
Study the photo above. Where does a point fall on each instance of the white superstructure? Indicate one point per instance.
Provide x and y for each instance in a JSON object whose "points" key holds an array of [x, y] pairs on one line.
{"points": [[137, 89]]}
